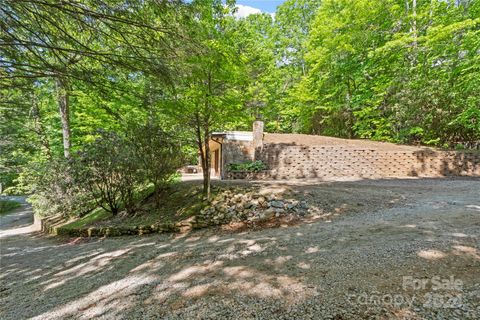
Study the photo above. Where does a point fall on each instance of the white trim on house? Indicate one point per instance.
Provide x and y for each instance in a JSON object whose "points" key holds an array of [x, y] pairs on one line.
{"points": [[235, 135]]}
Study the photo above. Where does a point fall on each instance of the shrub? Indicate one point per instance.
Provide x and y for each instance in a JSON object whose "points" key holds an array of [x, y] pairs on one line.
{"points": [[58, 191], [251, 166], [106, 173], [158, 153], [109, 171]]}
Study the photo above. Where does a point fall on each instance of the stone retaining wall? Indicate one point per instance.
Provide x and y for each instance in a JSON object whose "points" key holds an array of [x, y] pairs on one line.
{"points": [[247, 175], [115, 231], [292, 161], [55, 225]]}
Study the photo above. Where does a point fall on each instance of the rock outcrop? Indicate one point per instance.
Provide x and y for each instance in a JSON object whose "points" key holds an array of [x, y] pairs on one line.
{"points": [[249, 207]]}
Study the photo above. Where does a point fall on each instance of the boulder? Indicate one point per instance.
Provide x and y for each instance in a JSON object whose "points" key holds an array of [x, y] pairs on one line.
{"points": [[290, 206], [221, 208], [304, 205], [267, 214], [249, 205], [277, 204]]}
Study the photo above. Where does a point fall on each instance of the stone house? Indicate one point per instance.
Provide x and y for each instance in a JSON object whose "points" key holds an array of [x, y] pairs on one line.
{"points": [[234, 147], [299, 156]]}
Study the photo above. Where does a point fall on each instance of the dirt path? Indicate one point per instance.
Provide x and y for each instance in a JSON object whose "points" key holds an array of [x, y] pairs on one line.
{"points": [[369, 264], [20, 221]]}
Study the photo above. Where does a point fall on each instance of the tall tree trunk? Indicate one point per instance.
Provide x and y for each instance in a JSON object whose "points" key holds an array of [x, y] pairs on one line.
{"points": [[206, 137], [63, 108], [38, 127], [206, 173], [204, 149]]}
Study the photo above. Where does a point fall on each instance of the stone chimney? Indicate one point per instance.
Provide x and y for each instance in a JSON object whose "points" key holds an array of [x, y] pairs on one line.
{"points": [[257, 137]]}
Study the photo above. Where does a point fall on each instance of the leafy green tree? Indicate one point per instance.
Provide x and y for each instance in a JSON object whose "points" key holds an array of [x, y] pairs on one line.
{"points": [[71, 42], [394, 70], [78, 67], [158, 153], [253, 38], [208, 95], [293, 23], [17, 143]]}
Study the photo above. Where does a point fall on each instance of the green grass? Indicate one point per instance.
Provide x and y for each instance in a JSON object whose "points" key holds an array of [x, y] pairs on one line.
{"points": [[94, 216], [177, 202], [7, 206]]}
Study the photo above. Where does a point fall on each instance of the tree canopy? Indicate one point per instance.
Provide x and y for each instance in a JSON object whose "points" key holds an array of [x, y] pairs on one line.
{"points": [[404, 71]]}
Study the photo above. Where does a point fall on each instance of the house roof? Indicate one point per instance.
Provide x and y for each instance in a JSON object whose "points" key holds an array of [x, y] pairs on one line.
{"points": [[315, 140]]}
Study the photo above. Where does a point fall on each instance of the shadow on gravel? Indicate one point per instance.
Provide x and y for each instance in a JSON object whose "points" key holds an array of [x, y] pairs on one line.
{"points": [[21, 217], [242, 275], [131, 273]]}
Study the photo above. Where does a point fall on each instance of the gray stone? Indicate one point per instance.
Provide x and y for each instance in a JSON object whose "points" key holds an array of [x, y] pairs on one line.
{"points": [[304, 205], [249, 205], [290, 206], [267, 214], [221, 208], [277, 204]]}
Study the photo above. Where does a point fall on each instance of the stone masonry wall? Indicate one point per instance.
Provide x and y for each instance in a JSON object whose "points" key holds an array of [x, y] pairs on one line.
{"points": [[291, 161], [237, 151]]}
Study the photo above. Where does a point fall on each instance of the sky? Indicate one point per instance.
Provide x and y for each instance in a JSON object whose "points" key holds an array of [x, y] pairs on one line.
{"points": [[255, 6]]}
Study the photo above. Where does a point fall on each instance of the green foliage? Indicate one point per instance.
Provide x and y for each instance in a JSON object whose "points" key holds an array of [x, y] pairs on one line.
{"points": [[18, 142], [251, 166], [108, 169], [56, 189], [177, 202], [108, 172], [154, 73], [394, 71], [157, 152], [7, 206]]}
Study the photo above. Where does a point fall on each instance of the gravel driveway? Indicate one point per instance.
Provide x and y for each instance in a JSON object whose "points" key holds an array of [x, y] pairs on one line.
{"points": [[418, 259]]}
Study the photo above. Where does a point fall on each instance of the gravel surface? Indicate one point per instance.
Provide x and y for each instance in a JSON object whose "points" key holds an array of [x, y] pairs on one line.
{"points": [[418, 258]]}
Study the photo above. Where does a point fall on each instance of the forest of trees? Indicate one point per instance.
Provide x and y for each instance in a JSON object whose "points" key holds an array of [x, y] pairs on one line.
{"points": [[72, 72]]}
